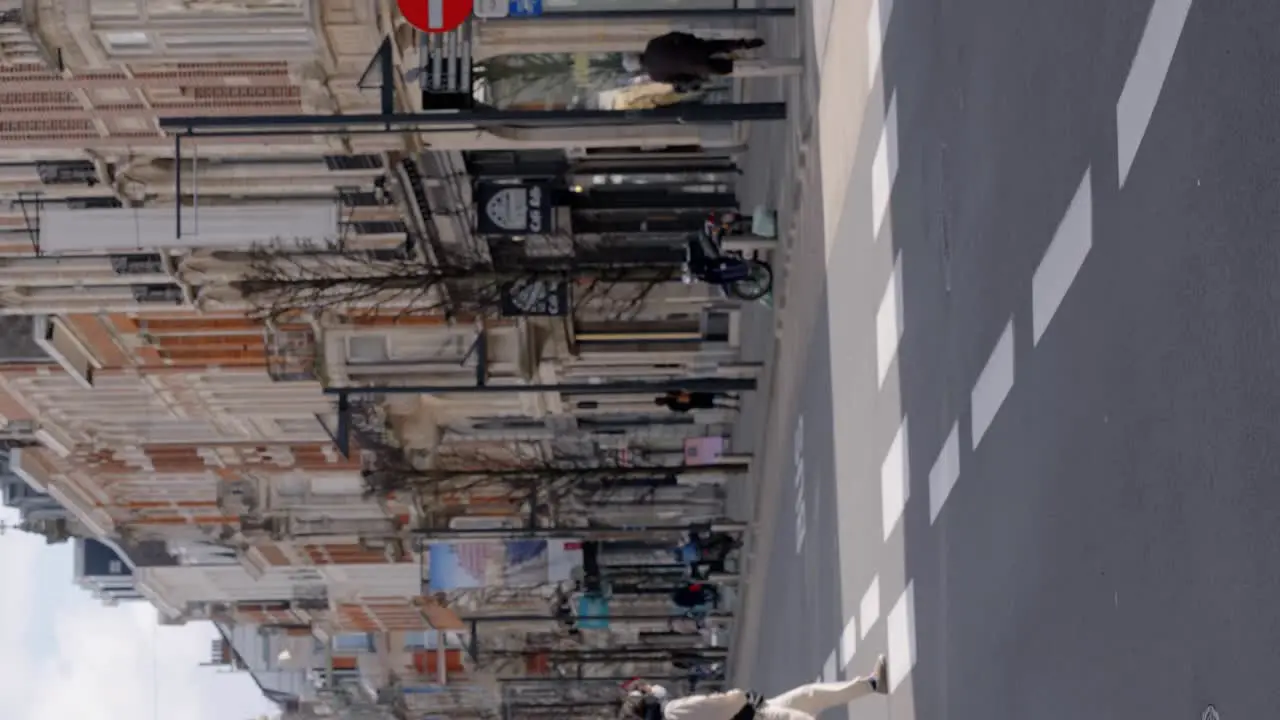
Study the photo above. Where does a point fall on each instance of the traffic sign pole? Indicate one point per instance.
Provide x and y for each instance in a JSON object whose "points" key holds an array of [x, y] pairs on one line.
{"points": [[436, 16]]}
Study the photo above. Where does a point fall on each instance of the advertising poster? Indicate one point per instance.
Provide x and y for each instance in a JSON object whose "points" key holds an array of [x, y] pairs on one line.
{"points": [[470, 564], [703, 450]]}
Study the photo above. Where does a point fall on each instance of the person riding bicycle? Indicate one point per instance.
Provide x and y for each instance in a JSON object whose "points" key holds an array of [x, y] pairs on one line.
{"points": [[646, 701]]}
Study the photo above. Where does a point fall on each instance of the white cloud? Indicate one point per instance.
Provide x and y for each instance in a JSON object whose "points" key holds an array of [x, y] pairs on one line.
{"points": [[80, 659]]}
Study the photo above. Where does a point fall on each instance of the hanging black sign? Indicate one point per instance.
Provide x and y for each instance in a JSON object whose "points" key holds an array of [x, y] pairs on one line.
{"points": [[535, 297], [513, 209]]}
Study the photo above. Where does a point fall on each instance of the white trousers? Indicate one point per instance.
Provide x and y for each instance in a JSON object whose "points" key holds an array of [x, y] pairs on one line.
{"points": [[773, 67], [808, 701]]}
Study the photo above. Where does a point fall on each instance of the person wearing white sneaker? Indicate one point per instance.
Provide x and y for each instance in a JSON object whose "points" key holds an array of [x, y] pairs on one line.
{"points": [[650, 702]]}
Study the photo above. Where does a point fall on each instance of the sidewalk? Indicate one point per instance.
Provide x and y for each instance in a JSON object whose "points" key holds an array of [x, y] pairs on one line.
{"points": [[783, 169]]}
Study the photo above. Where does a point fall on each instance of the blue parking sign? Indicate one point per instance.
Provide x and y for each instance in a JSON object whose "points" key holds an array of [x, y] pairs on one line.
{"points": [[526, 8]]}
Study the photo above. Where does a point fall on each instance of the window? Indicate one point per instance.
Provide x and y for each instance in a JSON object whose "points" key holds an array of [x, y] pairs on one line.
{"points": [[115, 567], [126, 42], [367, 349], [114, 9], [389, 254], [299, 426], [379, 227], [353, 162], [134, 264], [274, 39], [430, 640], [550, 81], [355, 197], [157, 293], [93, 203], [258, 8], [508, 423], [353, 642], [67, 172], [441, 346]]}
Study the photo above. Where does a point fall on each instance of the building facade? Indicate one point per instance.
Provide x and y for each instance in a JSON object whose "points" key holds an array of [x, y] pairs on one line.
{"points": [[181, 426]]}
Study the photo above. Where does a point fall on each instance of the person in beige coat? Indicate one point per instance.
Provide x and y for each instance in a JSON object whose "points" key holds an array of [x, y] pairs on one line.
{"points": [[650, 702]]}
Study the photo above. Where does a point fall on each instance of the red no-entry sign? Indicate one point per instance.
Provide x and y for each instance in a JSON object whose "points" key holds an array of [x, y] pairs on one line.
{"points": [[436, 16]]}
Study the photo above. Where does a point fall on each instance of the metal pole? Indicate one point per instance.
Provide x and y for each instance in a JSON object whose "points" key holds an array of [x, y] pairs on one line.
{"points": [[623, 387], [609, 680], [657, 14], [614, 653], [177, 185], [195, 190], [483, 117], [611, 618], [387, 69], [603, 472], [343, 431], [425, 534]]}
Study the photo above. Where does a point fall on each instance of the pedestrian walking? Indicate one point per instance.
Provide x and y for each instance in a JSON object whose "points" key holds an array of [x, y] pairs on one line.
{"points": [[683, 402], [687, 61], [652, 702]]}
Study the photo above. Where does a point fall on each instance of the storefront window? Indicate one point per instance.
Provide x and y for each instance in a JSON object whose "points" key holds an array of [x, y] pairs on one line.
{"points": [[563, 81], [678, 182]]}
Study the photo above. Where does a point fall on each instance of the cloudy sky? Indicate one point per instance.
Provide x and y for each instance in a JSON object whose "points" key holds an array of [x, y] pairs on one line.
{"points": [[68, 656]]}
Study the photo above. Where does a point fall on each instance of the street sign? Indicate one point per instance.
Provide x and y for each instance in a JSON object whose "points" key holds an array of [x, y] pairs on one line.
{"points": [[525, 8], [436, 16], [492, 8], [523, 209], [534, 297]]}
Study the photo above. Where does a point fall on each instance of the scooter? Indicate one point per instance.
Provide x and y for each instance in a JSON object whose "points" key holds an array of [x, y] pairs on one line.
{"points": [[707, 260]]}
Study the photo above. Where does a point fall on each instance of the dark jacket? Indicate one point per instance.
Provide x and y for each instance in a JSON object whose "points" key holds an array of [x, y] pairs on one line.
{"points": [[677, 58], [684, 402]]}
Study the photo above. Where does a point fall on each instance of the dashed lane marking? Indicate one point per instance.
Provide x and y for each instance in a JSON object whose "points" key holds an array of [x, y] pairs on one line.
{"points": [[1071, 244], [1146, 78], [993, 385]]}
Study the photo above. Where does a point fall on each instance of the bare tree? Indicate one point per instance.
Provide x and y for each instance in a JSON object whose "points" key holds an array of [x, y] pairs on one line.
{"points": [[283, 281], [548, 491]]}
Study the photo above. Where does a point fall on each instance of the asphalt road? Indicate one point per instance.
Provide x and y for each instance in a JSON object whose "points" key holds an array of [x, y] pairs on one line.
{"points": [[1108, 546]]}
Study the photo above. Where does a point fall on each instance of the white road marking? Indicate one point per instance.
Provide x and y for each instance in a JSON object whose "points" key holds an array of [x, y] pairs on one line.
{"points": [[798, 480], [902, 638], [945, 473], [848, 642], [869, 609], [877, 28], [1146, 78], [1062, 261], [884, 168], [993, 384], [829, 668], [895, 480], [889, 322]]}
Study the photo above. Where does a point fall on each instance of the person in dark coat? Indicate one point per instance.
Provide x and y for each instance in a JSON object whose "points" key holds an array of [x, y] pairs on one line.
{"points": [[683, 402], [686, 61]]}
